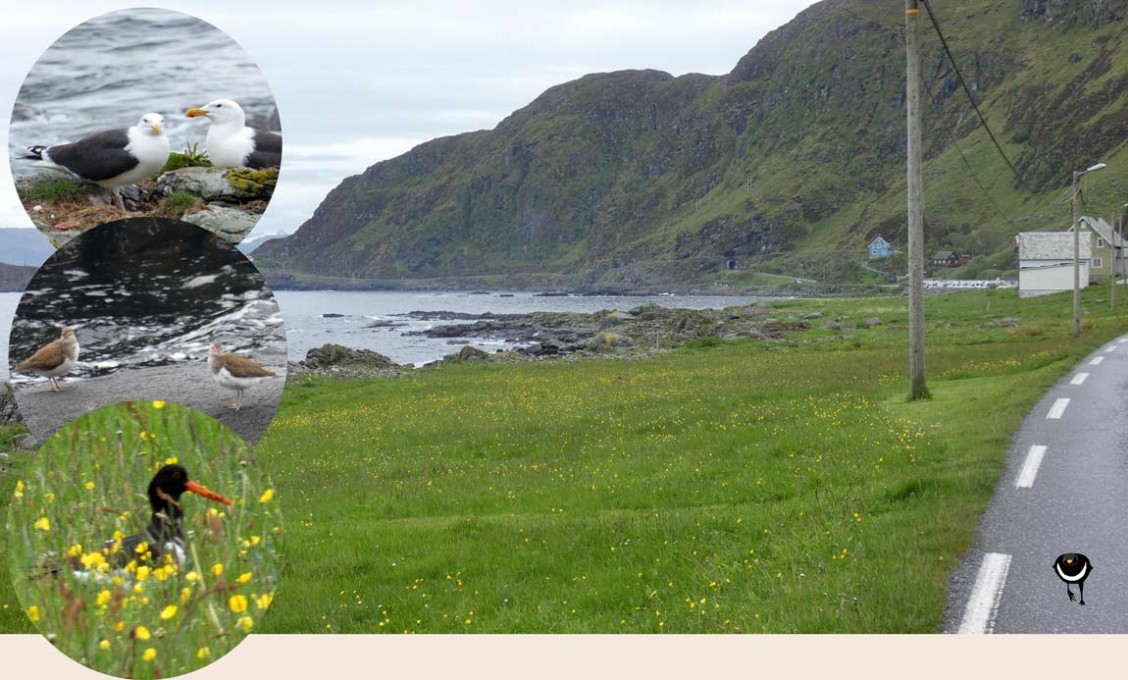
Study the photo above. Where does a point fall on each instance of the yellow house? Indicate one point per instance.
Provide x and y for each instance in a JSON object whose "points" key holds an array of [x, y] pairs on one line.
{"points": [[1107, 248]]}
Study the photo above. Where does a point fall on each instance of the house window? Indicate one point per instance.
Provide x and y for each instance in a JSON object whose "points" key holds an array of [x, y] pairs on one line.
{"points": [[1100, 244], [1097, 264]]}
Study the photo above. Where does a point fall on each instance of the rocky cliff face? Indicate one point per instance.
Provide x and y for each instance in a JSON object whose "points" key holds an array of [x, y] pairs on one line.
{"points": [[639, 178]]}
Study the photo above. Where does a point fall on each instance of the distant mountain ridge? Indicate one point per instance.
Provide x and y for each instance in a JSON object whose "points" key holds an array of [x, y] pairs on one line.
{"points": [[24, 247], [791, 163]]}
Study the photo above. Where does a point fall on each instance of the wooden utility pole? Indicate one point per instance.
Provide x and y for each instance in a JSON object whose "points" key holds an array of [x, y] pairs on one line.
{"points": [[917, 388]]}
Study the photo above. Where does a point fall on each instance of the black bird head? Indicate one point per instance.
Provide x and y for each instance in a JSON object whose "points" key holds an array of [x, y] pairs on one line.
{"points": [[1073, 569], [169, 484]]}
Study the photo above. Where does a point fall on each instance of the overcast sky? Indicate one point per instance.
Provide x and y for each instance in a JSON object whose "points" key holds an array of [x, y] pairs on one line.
{"points": [[357, 82]]}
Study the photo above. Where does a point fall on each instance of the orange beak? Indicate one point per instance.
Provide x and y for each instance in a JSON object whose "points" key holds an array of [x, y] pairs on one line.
{"points": [[195, 113], [208, 493]]}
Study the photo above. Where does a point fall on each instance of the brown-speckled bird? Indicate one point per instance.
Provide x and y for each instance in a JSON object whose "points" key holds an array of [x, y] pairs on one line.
{"points": [[53, 359]]}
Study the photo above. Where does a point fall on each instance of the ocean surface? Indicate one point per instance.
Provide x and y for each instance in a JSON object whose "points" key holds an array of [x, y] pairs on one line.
{"points": [[109, 71], [381, 321], [146, 293]]}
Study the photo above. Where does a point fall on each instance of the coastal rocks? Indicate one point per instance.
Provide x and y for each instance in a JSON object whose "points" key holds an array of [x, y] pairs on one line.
{"points": [[220, 184], [230, 224], [346, 362], [9, 412]]}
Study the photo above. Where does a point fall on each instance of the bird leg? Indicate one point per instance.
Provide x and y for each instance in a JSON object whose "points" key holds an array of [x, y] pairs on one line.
{"points": [[1081, 587]]}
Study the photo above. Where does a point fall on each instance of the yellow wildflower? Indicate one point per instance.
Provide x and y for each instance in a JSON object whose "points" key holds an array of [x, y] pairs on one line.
{"points": [[145, 436], [185, 595], [43, 524], [191, 577], [93, 561], [159, 404], [19, 489], [142, 573], [33, 613], [244, 578], [141, 548], [246, 623], [263, 601], [237, 603], [141, 633], [171, 460], [104, 645], [203, 653], [168, 612], [149, 654], [104, 598], [266, 496], [89, 486], [75, 550], [217, 569]]}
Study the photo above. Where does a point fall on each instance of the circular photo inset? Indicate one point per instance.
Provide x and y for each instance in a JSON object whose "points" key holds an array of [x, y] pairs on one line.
{"points": [[143, 540], [145, 112], [145, 309]]}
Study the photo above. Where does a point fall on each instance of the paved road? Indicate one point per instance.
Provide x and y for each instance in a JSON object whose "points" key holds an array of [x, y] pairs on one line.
{"points": [[1074, 500]]}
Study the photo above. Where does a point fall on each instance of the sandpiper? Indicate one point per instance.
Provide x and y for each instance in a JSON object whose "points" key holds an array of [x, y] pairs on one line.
{"points": [[53, 359], [235, 372]]}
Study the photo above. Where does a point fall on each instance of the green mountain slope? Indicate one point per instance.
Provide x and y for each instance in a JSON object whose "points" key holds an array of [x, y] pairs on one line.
{"points": [[790, 164]]}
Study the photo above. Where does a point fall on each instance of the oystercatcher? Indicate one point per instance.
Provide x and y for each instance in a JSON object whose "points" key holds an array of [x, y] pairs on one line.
{"points": [[235, 372], [165, 533], [231, 144], [53, 359], [1073, 568]]}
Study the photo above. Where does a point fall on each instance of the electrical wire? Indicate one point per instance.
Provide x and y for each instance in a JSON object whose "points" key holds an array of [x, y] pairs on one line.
{"points": [[967, 90]]}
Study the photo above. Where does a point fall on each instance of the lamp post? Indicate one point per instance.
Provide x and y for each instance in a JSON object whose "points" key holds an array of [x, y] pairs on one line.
{"points": [[1117, 240], [1073, 205]]}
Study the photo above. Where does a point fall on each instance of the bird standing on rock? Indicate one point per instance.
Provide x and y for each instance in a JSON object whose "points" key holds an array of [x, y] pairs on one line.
{"points": [[235, 372], [111, 158], [231, 144], [53, 359]]}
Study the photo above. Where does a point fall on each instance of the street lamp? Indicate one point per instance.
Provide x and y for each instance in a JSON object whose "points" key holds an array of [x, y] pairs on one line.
{"points": [[1117, 241], [1073, 204]]}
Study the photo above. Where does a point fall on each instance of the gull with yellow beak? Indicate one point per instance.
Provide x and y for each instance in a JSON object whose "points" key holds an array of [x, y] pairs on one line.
{"points": [[231, 144], [111, 158]]}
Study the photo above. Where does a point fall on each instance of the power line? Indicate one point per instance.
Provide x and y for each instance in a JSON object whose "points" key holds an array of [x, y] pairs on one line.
{"points": [[967, 90]]}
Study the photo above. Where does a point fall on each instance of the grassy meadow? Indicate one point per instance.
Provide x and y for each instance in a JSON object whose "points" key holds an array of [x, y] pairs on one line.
{"points": [[150, 617], [728, 486]]}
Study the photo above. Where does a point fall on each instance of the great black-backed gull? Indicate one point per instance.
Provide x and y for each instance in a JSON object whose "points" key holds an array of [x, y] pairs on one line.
{"points": [[111, 158], [231, 144]]}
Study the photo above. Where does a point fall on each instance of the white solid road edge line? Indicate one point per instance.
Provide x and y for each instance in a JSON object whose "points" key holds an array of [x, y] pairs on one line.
{"points": [[1079, 379], [1096, 361], [1030, 467], [979, 616], [1058, 409]]}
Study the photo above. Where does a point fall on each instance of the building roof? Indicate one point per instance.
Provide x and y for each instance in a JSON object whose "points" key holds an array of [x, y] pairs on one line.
{"points": [[943, 255], [1102, 229], [1051, 245]]}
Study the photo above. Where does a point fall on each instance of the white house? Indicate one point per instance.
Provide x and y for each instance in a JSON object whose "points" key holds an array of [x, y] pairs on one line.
{"points": [[1045, 261]]}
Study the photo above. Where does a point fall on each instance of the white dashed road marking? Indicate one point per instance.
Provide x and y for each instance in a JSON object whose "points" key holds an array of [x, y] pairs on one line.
{"points": [[1079, 379], [1096, 361], [1110, 348], [1030, 467], [979, 616], [1058, 409]]}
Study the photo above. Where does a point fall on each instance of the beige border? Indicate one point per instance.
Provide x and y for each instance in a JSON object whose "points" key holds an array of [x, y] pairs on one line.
{"points": [[622, 657]]}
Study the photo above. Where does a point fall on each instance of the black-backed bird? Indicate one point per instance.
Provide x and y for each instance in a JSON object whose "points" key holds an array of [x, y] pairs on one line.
{"points": [[235, 372], [53, 359], [1073, 568], [111, 158], [231, 144]]}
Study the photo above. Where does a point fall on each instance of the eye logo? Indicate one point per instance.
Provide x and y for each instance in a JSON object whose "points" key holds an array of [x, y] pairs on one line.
{"points": [[1073, 568]]}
